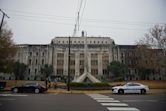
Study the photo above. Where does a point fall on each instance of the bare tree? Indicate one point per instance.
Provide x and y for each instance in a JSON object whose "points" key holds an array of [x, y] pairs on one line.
{"points": [[155, 39], [151, 50], [7, 50]]}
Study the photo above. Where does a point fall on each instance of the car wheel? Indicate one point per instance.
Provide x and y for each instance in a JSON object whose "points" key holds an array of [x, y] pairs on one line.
{"points": [[15, 90], [120, 91], [143, 91], [37, 91]]}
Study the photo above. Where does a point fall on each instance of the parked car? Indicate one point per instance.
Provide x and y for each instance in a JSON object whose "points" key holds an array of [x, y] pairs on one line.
{"points": [[131, 87], [29, 87], [2, 85]]}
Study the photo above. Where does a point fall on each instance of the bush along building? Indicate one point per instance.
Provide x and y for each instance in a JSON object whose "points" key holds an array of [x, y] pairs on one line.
{"points": [[101, 51]]}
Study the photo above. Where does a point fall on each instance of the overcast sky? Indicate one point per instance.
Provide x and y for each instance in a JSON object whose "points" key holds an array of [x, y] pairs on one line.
{"points": [[39, 21]]}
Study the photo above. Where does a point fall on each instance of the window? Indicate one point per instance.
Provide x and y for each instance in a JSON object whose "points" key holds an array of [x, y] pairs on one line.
{"points": [[29, 71], [36, 61], [30, 61], [35, 71], [18, 54], [37, 53], [94, 71], [94, 55], [30, 53], [81, 62], [94, 62], [121, 55], [59, 62], [60, 55], [72, 71], [72, 55], [104, 71], [82, 55], [72, 62], [60, 71], [43, 54], [81, 71], [42, 61]]}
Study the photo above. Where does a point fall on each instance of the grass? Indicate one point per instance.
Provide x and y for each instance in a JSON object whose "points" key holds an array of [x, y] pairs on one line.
{"points": [[152, 84]]}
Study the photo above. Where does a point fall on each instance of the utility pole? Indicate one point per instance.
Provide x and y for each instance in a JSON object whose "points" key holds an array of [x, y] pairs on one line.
{"points": [[3, 16], [68, 80]]}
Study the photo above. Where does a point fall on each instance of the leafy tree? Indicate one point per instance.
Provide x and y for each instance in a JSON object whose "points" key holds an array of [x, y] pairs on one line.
{"points": [[47, 70], [7, 50], [117, 70], [19, 70]]}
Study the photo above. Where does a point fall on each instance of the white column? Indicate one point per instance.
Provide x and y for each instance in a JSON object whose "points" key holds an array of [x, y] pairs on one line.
{"points": [[110, 55], [65, 65], [77, 64], [99, 63], [55, 60], [49, 55], [89, 62]]}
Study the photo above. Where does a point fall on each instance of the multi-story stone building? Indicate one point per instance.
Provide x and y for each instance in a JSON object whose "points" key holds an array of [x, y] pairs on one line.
{"points": [[101, 51]]}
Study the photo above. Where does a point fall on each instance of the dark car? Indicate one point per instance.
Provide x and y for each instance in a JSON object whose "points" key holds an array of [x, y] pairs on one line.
{"points": [[29, 87], [2, 85]]}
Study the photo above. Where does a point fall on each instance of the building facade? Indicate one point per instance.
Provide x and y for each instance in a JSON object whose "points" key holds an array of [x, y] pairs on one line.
{"points": [[101, 51]]}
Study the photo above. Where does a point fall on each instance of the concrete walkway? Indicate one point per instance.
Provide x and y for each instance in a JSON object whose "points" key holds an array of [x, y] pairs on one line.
{"points": [[64, 91]]}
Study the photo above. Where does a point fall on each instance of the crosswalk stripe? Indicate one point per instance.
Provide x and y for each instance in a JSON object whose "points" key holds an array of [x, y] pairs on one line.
{"points": [[108, 101], [96, 95], [103, 98], [122, 109], [114, 104]]}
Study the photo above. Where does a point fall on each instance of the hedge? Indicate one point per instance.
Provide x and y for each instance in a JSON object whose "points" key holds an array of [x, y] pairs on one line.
{"points": [[82, 84]]}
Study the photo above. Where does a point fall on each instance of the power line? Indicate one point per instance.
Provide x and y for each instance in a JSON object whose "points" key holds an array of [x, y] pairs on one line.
{"points": [[90, 20]]}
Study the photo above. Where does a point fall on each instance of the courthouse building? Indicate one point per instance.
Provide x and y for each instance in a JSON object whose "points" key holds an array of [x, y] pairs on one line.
{"points": [[101, 51]]}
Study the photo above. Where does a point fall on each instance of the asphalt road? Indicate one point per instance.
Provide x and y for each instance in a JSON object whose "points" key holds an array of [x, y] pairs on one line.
{"points": [[82, 102]]}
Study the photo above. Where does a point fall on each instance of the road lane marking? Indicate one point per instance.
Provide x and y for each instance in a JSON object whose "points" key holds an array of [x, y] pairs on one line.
{"points": [[140, 100], [122, 109], [13, 95], [6, 99], [108, 101], [114, 104]]}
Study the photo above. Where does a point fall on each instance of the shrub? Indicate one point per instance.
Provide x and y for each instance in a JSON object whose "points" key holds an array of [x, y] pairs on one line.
{"points": [[75, 84], [103, 84]]}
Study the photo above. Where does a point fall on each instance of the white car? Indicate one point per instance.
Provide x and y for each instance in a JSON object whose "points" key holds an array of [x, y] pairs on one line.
{"points": [[131, 87]]}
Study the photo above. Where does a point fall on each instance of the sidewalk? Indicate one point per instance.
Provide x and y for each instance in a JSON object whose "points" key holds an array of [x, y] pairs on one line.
{"points": [[64, 91]]}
